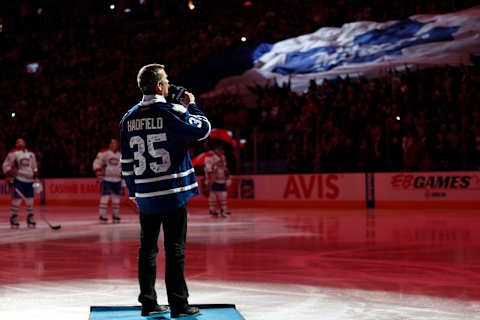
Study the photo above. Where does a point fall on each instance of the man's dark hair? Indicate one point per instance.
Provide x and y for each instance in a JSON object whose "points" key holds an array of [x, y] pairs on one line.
{"points": [[149, 76]]}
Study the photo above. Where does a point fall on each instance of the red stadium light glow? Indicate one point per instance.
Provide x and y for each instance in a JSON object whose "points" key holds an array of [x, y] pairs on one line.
{"points": [[247, 3]]}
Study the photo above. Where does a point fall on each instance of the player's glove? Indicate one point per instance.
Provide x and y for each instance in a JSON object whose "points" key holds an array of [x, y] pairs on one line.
{"points": [[204, 187], [37, 186], [9, 179], [100, 175], [228, 177], [10, 176]]}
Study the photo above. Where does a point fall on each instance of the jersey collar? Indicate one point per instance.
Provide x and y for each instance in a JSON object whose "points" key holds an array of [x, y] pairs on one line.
{"points": [[151, 99]]}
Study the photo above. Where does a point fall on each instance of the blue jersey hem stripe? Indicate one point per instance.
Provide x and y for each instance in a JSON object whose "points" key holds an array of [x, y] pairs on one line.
{"points": [[167, 177], [165, 192]]}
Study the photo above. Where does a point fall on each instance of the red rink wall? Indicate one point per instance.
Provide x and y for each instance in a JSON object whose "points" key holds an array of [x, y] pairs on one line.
{"points": [[432, 189], [346, 190], [79, 191]]}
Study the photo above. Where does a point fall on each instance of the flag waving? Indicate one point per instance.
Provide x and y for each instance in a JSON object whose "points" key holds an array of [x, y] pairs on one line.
{"points": [[365, 48]]}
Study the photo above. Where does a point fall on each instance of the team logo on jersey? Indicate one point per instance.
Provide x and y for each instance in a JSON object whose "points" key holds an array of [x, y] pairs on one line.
{"points": [[221, 164], [113, 161], [25, 162]]}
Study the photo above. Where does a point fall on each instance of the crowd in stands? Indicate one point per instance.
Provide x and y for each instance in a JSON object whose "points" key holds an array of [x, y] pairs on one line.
{"points": [[70, 107], [416, 120]]}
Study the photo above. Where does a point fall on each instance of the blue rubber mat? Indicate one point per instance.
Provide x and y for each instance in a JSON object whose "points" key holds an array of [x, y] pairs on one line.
{"points": [[207, 312]]}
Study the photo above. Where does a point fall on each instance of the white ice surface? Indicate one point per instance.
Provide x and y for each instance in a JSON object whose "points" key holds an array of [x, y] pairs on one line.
{"points": [[255, 301]]}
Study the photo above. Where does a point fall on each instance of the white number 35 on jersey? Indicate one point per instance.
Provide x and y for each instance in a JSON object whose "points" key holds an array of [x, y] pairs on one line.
{"points": [[195, 122]]}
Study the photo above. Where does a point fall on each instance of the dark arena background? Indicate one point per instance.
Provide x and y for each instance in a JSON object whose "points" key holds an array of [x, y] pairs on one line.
{"points": [[351, 131]]}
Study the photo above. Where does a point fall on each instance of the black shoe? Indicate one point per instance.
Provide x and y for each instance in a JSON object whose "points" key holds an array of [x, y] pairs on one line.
{"points": [[30, 222], [13, 222], [213, 213], [115, 219], [103, 219], [156, 309], [185, 312]]}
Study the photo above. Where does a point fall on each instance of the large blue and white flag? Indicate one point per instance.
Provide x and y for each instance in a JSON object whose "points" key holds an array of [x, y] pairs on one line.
{"points": [[364, 49]]}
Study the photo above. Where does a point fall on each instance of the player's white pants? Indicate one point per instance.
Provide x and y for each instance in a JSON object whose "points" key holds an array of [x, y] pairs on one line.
{"points": [[103, 206], [220, 196]]}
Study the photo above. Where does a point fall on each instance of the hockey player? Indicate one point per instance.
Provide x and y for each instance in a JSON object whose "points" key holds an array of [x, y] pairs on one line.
{"points": [[20, 168], [109, 173], [218, 177]]}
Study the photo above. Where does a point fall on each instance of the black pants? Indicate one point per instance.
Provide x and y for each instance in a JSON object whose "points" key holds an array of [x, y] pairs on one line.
{"points": [[175, 234]]}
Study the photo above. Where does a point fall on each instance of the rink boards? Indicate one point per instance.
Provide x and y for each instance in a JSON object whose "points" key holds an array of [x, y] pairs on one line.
{"points": [[423, 189]]}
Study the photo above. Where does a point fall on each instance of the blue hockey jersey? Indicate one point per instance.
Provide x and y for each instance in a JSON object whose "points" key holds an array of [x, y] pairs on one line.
{"points": [[156, 163]]}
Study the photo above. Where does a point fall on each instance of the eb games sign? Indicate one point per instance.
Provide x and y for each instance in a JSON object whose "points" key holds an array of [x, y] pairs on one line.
{"points": [[434, 181]]}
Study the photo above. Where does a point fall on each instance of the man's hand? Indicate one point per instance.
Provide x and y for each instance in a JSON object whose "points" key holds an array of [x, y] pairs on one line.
{"points": [[187, 99]]}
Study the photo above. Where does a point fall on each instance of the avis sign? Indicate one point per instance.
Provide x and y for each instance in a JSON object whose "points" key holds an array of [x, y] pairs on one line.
{"points": [[314, 187]]}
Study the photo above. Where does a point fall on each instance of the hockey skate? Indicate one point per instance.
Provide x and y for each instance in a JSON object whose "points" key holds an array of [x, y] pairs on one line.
{"points": [[225, 213], [116, 219], [13, 222], [103, 219], [213, 213], [31, 224]]}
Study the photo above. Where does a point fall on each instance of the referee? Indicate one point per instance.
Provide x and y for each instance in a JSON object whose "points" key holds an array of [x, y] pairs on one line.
{"points": [[159, 175]]}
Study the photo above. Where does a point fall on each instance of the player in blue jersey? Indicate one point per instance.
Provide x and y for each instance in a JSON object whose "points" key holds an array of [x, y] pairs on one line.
{"points": [[158, 171]]}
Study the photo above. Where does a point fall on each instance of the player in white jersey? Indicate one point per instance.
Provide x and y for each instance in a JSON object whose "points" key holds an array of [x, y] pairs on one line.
{"points": [[20, 168], [218, 177], [109, 172]]}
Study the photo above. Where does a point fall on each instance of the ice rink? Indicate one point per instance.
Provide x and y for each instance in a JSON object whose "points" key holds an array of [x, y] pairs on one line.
{"points": [[272, 263]]}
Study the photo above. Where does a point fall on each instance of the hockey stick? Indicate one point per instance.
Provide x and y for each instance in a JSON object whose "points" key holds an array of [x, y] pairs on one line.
{"points": [[128, 204], [41, 214]]}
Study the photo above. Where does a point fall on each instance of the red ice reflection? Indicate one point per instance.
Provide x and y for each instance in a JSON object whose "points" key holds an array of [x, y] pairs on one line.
{"points": [[427, 252]]}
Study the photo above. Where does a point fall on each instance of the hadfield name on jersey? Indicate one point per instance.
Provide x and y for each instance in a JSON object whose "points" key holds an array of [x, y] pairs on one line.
{"points": [[145, 124]]}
